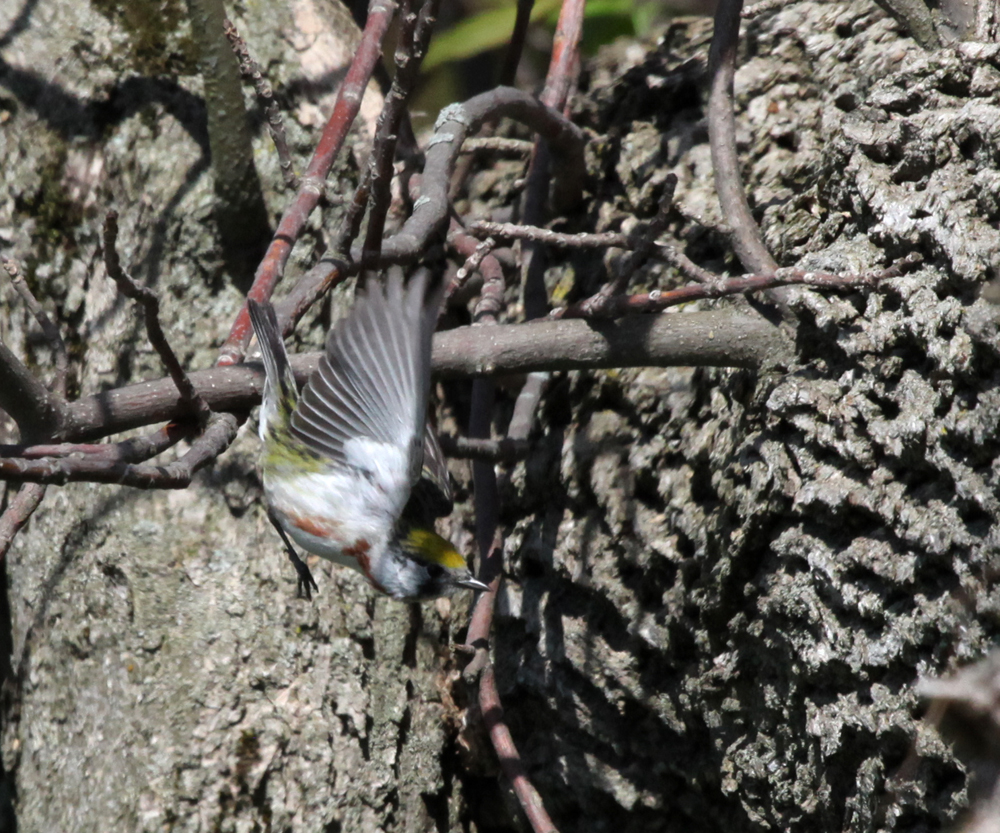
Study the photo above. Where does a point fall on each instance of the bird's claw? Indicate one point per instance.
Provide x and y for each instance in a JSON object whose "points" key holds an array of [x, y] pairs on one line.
{"points": [[306, 582]]}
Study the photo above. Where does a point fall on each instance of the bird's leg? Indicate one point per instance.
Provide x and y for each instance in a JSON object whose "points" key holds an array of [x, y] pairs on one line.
{"points": [[306, 582]]}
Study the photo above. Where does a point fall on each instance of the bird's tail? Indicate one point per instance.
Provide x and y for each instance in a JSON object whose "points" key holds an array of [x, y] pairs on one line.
{"points": [[280, 392]]}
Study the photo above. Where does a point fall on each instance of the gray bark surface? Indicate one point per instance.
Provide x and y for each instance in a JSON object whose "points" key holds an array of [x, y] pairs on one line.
{"points": [[722, 585]]}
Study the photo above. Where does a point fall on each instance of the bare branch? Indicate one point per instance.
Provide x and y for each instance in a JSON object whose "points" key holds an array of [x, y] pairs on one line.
{"points": [[17, 513], [453, 125], [133, 450], [151, 310], [49, 329], [380, 14], [414, 36], [498, 144], [474, 253], [746, 237], [512, 57], [587, 240], [219, 433], [562, 66], [504, 450], [38, 412], [580, 240], [479, 257], [657, 301], [720, 338], [250, 70], [510, 759], [602, 301]]}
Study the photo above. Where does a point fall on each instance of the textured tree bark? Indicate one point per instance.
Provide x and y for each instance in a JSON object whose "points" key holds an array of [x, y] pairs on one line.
{"points": [[722, 584]]}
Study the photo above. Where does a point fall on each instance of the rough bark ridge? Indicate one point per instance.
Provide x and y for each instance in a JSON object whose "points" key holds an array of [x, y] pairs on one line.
{"points": [[722, 584], [728, 582]]}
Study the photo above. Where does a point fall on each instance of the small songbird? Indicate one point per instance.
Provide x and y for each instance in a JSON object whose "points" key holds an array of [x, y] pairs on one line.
{"points": [[351, 469]]}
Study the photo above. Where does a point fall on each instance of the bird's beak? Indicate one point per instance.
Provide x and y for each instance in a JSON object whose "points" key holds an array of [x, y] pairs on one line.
{"points": [[472, 583]]}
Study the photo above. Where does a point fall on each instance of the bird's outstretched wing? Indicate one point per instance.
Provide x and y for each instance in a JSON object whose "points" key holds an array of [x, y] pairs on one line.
{"points": [[366, 404], [431, 496]]}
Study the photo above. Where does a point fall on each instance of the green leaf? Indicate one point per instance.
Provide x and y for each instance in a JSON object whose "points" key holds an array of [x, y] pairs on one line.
{"points": [[483, 31]]}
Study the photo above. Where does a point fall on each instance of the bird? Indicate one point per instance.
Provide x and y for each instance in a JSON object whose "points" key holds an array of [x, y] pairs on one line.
{"points": [[352, 470]]}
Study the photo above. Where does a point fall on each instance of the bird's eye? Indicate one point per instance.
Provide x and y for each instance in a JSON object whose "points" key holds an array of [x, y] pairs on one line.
{"points": [[435, 570]]}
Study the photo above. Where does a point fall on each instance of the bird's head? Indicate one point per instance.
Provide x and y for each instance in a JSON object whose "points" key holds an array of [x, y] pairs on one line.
{"points": [[428, 566]]}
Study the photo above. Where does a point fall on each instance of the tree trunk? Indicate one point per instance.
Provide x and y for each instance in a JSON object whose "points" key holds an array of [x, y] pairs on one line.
{"points": [[721, 585]]}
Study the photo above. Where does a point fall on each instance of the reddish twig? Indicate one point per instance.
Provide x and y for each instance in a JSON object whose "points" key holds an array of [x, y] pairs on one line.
{"points": [[219, 433], [746, 238], [17, 513], [565, 49], [657, 301], [133, 450], [487, 499], [490, 542], [151, 311], [474, 251], [251, 71], [380, 14], [565, 55], [49, 329], [601, 303], [510, 759], [331, 269], [414, 36]]}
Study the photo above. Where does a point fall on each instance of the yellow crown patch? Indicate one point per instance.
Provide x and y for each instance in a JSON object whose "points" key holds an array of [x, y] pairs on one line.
{"points": [[432, 547]]}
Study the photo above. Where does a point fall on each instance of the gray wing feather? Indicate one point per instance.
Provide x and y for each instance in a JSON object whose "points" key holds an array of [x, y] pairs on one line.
{"points": [[374, 379]]}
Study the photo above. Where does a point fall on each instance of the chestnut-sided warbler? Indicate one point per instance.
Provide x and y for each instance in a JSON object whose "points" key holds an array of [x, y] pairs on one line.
{"points": [[349, 463]]}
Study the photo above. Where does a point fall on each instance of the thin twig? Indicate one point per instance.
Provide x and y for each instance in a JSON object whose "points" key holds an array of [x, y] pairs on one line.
{"points": [[604, 299], [334, 267], [561, 70], [591, 240], [17, 513], [251, 70], [151, 310], [474, 253], [510, 759], [580, 240], [657, 301], [712, 225], [498, 144], [746, 238], [512, 57], [49, 329], [414, 37], [219, 433], [380, 14], [503, 450], [430, 212], [133, 450], [558, 81]]}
